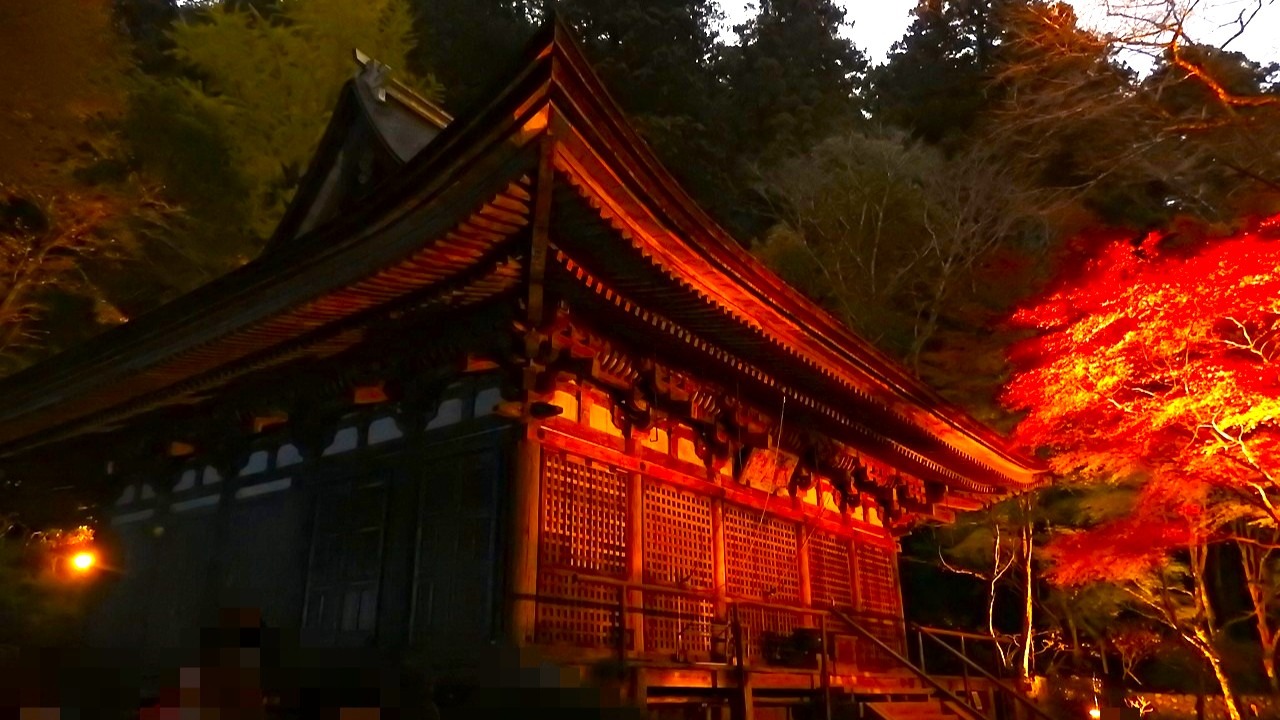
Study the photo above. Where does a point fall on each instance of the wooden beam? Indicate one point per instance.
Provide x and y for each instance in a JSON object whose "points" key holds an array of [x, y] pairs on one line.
{"points": [[634, 600], [719, 568], [539, 239], [522, 559], [806, 588], [962, 503]]}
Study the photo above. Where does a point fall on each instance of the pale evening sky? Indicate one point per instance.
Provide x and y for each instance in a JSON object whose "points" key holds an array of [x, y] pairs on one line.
{"points": [[878, 24]]}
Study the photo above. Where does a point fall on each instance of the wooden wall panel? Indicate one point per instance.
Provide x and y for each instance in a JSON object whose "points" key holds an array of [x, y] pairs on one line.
{"points": [[761, 555], [457, 553], [584, 516], [830, 570], [677, 537]]}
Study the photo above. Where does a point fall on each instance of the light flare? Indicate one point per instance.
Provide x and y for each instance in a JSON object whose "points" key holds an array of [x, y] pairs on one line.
{"points": [[83, 561]]}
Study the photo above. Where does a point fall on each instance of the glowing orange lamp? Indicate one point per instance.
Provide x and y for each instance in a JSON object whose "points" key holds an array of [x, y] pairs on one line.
{"points": [[83, 561]]}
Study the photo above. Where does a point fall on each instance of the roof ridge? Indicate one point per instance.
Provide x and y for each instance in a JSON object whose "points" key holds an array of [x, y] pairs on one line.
{"points": [[389, 86]]}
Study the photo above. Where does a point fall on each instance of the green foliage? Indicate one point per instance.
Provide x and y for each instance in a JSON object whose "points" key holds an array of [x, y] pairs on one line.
{"points": [[901, 242], [154, 183], [147, 24], [37, 609], [175, 137], [256, 97], [856, 211]]}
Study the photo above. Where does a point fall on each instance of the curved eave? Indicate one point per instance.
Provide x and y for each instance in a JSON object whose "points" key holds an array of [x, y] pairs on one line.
{"points": [[616, 309], [456, 250], [665, 225], [133, 365]]}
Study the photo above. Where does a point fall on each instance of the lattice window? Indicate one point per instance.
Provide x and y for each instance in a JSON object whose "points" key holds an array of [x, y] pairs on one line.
{"points": [[673, 623], [877, 580], [761, 555], [576, 611], [830, 572], [677, 537], [345, 564], [758, 621], [584, 516]]}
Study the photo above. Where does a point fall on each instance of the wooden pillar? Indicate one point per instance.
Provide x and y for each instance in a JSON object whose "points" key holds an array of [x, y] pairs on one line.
{"points": [[802, 549], [639, 689], [855, 572], [522, 548], [526, 485], [719, 569], [633, 597], [824, 667], [747, 707], [897, 581], [855, 575], [744, 705]]}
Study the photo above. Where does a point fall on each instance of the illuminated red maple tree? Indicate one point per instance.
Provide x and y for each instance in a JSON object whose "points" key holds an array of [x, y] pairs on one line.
{"points": [[1157, 361]]}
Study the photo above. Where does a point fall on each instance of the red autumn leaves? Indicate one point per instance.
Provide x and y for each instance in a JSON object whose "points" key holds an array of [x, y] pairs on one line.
{"points": [[1156, 362]]}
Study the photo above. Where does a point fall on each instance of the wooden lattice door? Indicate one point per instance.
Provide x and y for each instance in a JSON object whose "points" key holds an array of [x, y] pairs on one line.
{"points": [[345, 567], [878, 604], [830, 571], [761, 556], [583, 534], [677, 554]]}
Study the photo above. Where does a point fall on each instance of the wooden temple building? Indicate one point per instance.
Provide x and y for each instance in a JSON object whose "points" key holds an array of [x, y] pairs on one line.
{"points": [[498, 382]]}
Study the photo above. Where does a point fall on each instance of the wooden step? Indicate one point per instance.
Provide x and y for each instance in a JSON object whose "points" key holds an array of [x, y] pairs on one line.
{"points": [[932, 709]]}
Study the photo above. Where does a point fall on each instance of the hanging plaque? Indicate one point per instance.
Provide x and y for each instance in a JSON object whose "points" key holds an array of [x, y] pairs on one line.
{"points": [[768, 469]]}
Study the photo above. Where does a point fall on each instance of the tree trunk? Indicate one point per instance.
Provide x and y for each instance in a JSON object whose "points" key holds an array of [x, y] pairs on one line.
{"points": [[1215, 663], [1254, 559], [1077, 653], [1102, 655], [1269, 665], [1205, 629], [1028, 612], [991, 596]]}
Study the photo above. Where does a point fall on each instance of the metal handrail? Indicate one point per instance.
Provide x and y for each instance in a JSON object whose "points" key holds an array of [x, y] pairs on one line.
{"points": [[928, 680], [1007, 689], [948, 632]]}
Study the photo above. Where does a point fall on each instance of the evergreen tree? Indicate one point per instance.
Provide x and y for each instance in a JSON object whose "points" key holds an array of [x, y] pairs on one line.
{"points": [[147, 24], [935, 81], [469, 44], [793, 79], [659, 60]]}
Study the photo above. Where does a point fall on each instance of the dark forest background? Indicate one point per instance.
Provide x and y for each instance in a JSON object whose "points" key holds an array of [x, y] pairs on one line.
{"points": [[148, 147]]}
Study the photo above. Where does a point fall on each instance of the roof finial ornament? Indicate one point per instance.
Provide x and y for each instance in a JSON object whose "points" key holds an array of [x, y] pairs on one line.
{"points": [[372, 73]]}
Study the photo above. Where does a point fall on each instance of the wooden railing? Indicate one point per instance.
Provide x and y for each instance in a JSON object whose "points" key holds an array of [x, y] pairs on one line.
{"points": [[686, 625], [961, 706], [1007, 691]]}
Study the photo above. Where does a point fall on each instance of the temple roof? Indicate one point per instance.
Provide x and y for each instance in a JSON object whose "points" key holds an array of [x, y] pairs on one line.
{"points": [[377, 126], [454, 221]]}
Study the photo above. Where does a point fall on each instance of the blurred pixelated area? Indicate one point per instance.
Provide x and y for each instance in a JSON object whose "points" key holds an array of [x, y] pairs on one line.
{"points": [[243, 669]]}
